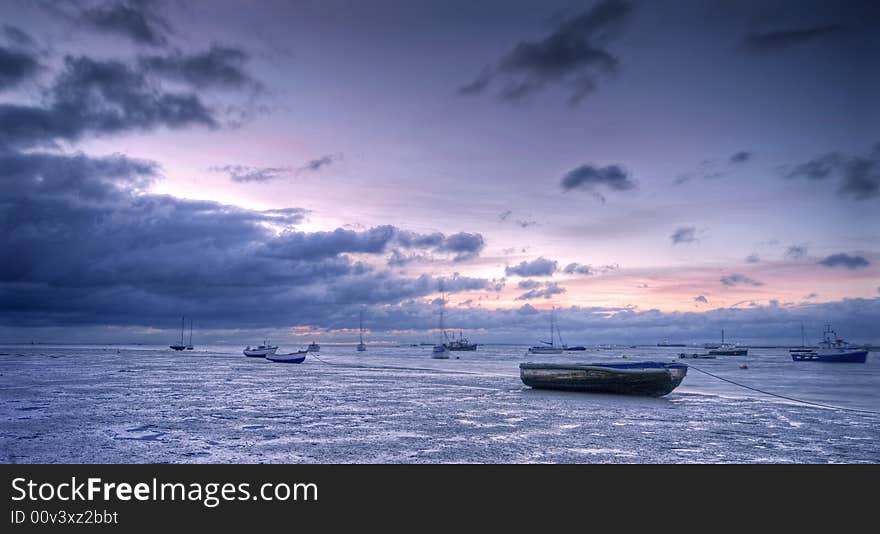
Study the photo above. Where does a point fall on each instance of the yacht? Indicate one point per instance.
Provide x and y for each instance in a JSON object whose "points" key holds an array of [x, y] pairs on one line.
{"points": [[361, 347], [548, 347], [179, 345]]}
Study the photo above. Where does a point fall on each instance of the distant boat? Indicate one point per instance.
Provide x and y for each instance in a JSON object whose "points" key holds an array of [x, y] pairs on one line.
{"points": [[728, 349], [548, 347], [361, 347], [803, 350], [313, 347], [293, 357], [575, 348], [179, 345], [668, 344], [260, 351], [833, 350], [441, 351], [462, 343], [698, 356], [653, 379], [189, 346]]}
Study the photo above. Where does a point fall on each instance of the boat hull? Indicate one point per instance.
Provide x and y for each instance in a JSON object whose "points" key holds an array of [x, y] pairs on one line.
{"points": [[652, 379], [544, 350], [855, 356], [462, 347], [295, 357], [730, 352], [176, 347]]}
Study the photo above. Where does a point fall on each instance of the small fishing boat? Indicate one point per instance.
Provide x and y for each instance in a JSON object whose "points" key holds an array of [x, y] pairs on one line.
{"points": [[548, 347], [833, 350], [696, 356], [728, 349], [179, 345], [292, 357], [653, 379], [462, 343], [260, 351], [314, 347]]}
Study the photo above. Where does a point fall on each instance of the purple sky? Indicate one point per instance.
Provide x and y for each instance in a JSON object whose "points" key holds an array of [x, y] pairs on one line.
{"points": [[655, 169]]}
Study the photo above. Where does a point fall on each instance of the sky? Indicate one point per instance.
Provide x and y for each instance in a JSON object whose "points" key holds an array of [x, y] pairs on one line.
{"points": [[652, 170]]}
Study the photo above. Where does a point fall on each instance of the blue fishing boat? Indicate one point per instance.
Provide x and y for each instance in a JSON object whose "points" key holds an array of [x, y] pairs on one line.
{"points": [[293, 357], [653, 379], [832, 350]]}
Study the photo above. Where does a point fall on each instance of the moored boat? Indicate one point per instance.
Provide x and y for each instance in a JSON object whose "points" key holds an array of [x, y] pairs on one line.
{"points": [[698, 356], [462, 343], [576, 348], [549, 347], [292, 357], [179, 345], [260, 351], [653, 379], [440, 352], [832, 350], [728, 349], [314, 347], [361, 346]]}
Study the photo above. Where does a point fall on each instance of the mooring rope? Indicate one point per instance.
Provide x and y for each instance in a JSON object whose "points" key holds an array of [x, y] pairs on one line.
{"points": [[811, 403]]}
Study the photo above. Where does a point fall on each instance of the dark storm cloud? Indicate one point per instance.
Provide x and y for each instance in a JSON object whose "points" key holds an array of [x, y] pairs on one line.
{"points": [[244, 173], [858, 176], [122, 256], [547, 291], [844, 260], [15, 67], [316, 165], [538, 267], [774, 40], [684, 234], [135, 20], [218, 67], [732, 280], [463, 244], [591, 178], [575, 54], [99, 98]]}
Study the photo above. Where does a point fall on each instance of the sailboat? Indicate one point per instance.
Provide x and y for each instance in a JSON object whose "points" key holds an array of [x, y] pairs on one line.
{"points": [[189, 346], [728, 349], [548, 347], [179, 345], [803, 350], [361, 347], [441, 351]]}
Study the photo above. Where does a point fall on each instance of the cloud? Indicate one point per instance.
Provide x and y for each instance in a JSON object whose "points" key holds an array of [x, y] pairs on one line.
{"points": [[795, 252], [753, 258], [547, 291], [684, 234], [123, 256], [702, 299], [244, 173], [99, 98], [740, 157], [858, 176], [15, 67], [844, 260], [465, 245], [574, 54], [732, 280], [18, 37], [316, 165], [134, 20], [577, 268], [218, 67], [773, 40], [590, 178], [528, 284], [537, 267]]}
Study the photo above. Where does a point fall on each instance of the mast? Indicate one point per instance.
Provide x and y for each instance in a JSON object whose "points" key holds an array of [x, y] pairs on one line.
{"points": [[722, 336], [181, 329], [190, 332], [803, 339], [361, 326], [552, 316]]}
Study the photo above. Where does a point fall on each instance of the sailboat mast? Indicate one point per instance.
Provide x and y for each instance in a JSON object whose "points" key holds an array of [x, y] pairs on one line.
{"points": [[190, 332], [182, 319], [361, 326], [722, 336], [552, 316], [803, 338]]}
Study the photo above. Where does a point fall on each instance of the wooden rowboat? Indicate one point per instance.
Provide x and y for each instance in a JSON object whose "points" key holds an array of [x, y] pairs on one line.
{"points": [[653, 379]]}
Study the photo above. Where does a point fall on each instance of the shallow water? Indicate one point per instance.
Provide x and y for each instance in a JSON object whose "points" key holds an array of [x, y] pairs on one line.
{"points": [[149, 404]]}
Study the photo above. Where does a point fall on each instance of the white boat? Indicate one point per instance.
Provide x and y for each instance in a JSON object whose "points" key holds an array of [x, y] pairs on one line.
{"points": [[260, 351], [314, 347], [361, 347], [548, 347], [179, 345]]}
